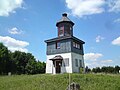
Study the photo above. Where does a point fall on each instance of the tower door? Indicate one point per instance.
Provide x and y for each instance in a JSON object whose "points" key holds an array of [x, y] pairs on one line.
{"points": [[58, 66]]}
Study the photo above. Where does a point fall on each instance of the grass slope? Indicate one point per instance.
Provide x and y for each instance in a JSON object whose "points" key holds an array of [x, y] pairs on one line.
{"points": [[59, 82]]}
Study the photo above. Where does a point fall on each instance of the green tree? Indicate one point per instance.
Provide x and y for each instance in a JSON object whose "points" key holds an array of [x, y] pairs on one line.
{"points": [[19, 62], [96, 70], [41, 67], [31, 65], [110, 69], [117, 68], [4, 59]]}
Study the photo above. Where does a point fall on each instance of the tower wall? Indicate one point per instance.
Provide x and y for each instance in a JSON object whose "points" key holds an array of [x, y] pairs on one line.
{"points": [[78, 57], [65, 47]]}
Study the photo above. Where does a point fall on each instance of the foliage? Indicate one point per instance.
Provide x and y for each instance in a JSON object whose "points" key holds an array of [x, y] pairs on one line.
{"points": [[19, 62], [87, 70], [106, 69], [81, 70], [97, 69], [4, 59], [60, 82]]}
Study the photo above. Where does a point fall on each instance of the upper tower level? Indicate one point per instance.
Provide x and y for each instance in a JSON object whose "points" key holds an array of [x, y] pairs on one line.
{"points": [[65, 26]]}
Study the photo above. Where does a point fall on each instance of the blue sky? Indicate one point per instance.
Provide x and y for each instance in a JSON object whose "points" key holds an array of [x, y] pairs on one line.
{"points": [[25, 24]]}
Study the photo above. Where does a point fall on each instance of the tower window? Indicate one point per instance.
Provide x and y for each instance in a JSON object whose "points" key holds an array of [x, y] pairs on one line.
{"points": [[57, 45], [67, 30], [80, 46], [80, 62], [66, 62], [77, 45], [61, 31], [76, 62], [73, 44]]}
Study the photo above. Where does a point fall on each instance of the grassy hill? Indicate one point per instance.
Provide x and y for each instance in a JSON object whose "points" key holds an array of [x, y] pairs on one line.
{"points": [[59, 82]]}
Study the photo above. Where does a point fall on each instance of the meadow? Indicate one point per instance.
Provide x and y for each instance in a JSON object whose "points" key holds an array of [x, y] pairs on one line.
{"points": [[60, 82]]}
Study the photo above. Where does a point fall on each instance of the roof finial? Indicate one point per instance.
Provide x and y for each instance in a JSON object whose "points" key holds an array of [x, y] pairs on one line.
{"points": [[64, 14]]}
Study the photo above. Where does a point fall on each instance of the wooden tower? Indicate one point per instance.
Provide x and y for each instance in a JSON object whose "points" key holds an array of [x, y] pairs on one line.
{"points": [[65, 52]]}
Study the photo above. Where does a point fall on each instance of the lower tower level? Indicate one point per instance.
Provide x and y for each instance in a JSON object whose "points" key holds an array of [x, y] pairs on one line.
{"points": [[64, 63]]}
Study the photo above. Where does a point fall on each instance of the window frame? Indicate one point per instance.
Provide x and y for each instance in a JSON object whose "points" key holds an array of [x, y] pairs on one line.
{"points": [[80, 63], [67, 30], [58, 45], [61, 29], [76, 62], [66, 62], [77, 45]]}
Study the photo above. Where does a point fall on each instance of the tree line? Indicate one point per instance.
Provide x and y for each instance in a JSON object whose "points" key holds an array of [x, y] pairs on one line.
{"points": [[104, 69], [19, 62]]}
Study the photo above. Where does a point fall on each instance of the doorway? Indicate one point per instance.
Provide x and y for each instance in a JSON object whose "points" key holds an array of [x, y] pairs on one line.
{"points": [[58, 66]]}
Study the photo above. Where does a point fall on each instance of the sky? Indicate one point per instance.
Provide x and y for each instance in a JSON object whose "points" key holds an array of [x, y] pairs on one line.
{"points": [[26, 24]]}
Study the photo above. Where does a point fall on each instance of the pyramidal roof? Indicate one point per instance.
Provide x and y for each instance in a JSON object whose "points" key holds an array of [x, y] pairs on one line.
{"points": [[64, 19]]}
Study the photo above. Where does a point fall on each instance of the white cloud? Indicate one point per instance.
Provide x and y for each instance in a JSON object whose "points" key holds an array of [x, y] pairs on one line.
{"points": [[99, 63], [92, 60], [106, 61], [93, 64], [116, 41], [92, 56], [99, 38], [17, 49], [9, 6], [14, 44], [114, 6], [85, 7], [117, 20], [15, 30]]}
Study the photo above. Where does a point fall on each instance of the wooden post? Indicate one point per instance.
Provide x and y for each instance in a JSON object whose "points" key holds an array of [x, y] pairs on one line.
{"points": [[69, 81]]}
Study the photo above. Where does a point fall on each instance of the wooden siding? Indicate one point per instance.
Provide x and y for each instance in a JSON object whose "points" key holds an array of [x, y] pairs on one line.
{"points": [[65, 47]]}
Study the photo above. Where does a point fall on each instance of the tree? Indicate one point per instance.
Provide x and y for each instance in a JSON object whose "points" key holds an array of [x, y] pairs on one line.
{"points": [[117, 68], [96, 70], [103, 69], [22, 60], [31, 66], [41, 67], [110, 69], [19, 62], [4, 59]]}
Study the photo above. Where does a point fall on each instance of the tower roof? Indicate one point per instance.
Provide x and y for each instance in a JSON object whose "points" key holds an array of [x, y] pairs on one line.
{"points": [[64, 38], [64, 19]]}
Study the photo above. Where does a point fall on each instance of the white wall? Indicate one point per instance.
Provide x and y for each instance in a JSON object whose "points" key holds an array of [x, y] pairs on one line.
{"points": [[51, 69], [68, 69]]}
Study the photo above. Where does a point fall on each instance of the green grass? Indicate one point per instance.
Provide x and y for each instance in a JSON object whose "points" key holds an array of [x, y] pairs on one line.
{"points": [[59, 82]]}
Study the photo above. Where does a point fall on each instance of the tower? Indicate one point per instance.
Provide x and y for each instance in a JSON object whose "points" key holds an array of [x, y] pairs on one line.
{"points": [[65, 52]]}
